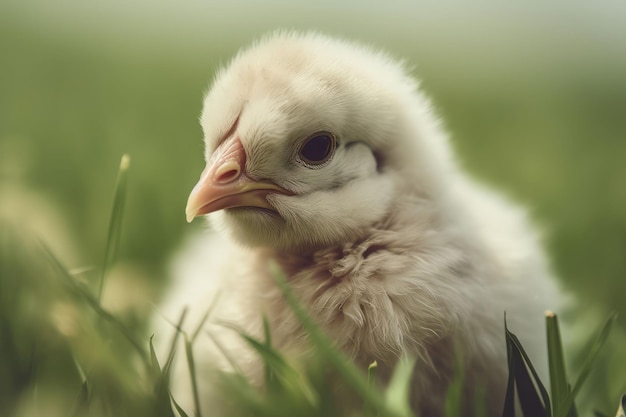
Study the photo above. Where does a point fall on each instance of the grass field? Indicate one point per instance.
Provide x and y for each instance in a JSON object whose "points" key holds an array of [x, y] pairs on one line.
{"points": [[538, 113]]}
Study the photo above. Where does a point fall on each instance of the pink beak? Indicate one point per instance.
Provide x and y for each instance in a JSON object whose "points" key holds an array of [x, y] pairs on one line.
{"points": [[224, 184]]}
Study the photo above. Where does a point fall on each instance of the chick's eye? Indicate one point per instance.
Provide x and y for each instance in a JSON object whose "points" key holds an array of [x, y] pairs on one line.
{"points": [[317, 149]]}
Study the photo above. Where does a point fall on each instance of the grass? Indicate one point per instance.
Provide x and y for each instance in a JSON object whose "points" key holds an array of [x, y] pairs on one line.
{"points": [[49, 316]]}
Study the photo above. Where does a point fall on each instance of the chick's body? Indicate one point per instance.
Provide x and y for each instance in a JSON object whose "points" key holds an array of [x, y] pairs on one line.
{"points": [[326, 158]]}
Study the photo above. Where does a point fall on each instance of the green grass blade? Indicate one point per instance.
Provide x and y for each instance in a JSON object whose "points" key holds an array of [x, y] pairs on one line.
{"points": [[622, 407], [271, 357], [480, 401], [192, 374], [279, 371], [533, 395], [205, 317], [509, 399], [559, 386], [517, 345], [155, 369], [79, 369], [397, 394], [592, 353], [225, 352], [172, 350], [81, 407], [266, 331], [368, 409], [115, 223], [160, 383], [268, 344], [530, 400], [371, 373], [454, 396], [179, 409]]}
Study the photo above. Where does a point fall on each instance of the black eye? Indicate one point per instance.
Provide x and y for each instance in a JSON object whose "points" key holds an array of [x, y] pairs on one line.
{"points": [[317, 149]]}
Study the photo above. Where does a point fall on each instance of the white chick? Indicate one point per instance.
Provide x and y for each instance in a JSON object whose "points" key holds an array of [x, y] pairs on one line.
{"points": [[324, 156]]}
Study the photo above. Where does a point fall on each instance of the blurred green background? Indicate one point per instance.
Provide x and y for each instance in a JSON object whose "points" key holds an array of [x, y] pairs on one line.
{"points": [[533, 94]]}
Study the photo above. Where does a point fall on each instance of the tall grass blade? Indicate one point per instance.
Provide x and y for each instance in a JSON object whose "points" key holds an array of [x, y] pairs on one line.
{"points": [[81, 407], [115, 223], [368, 408], [509, 399], [155, 368], [192, 374], [160, 383], [268, 344], [205, 317], [480, 402], [397, 394], [454, 396], [529, 399], [533, 396], [517, 345], [622, 407], [266, 331], [179, 409], [559, 385], [225, 353], [593, 351], [279, 371], [172, 350], [592, 354], [371, 374]]}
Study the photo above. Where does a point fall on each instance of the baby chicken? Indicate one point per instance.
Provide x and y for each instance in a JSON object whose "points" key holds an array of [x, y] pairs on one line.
{"points": [[326, 158]]}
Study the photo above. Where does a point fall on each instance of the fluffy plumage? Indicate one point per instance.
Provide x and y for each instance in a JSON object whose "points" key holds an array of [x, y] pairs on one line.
{"points": [[388, 244]]}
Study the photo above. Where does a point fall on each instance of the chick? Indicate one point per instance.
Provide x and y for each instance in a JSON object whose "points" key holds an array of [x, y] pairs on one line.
{"points": [[326, 158]]}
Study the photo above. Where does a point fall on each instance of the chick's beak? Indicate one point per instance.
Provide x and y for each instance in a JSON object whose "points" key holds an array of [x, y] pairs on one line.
{"points": [[224, 184]]}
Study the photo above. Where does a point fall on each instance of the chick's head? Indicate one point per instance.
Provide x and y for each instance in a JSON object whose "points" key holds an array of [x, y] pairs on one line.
{"points": [[303, 142]]}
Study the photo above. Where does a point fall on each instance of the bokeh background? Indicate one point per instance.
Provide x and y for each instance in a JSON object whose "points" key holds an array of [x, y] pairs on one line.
{"points": [[533, 94]]}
